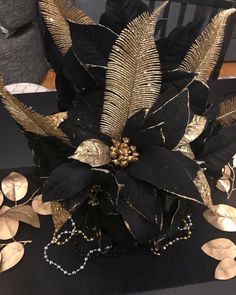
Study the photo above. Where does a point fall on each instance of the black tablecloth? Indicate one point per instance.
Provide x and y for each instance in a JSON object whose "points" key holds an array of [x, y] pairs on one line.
{"points": [[182, 264]]}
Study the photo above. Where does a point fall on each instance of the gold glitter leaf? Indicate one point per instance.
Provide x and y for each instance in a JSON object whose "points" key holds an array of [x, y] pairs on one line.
{"points": [[133, 79], [220, 249], [204, 53], [226, 269], [204, 189], [55, 14], [8, 226], [40, 207], [23, 213], [15, 186], [11, 255], [30, 120], [227, 113], [193, 130], [223, 185], [59, 215], [222, 217], [92, 152]]}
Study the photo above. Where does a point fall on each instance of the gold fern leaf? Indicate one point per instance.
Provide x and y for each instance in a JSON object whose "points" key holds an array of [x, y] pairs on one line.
{"points": [[29, 120], [133, 78], [55, 14], [204, 53], [227, 112], [73, 13]]}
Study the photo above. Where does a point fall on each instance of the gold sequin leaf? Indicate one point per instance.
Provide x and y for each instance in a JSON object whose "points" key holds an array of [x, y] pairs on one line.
{"points": [[28, 119], [227, 113], [55, 14], [133, 79], [203, 55]]}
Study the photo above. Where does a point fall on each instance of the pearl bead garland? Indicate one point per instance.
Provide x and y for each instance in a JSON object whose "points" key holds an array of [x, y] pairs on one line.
{"points": [[73, 232]]}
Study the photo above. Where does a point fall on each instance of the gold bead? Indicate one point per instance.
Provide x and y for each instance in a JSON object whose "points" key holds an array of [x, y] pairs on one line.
{"points": [[124, 164], [115, 162], [113, 155], [126, 140], [133, 148]]}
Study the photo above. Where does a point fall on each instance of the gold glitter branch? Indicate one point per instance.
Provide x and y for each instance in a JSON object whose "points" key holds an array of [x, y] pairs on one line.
{"points": [[133, 78], [55, 14], [204, 53], [29, 120]]}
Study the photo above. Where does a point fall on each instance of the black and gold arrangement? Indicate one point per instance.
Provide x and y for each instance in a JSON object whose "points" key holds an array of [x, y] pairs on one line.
{"points": [[136, 143]]}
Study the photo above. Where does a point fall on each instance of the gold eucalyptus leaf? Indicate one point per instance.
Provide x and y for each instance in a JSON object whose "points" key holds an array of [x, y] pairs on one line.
{"points": [[223, 185], [222, 217], [11, 255], [226, 172], [15, 186], [8, 226], [40, 207], [92, 152], [220, 249], [234, 161], [24, 213], [1, 198], [226, 269]]}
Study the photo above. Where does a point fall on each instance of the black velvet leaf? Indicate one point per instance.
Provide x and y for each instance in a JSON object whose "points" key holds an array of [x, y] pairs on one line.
{"points": [[66, 93], [165, 123], [108, 197], [141, 229], [176, 79], [67, 181], [198, 97], [134, 190], [218, 150], [172, 49], [119, 13], [48, 152], [76, 73], [92, 44], [168, 171]]}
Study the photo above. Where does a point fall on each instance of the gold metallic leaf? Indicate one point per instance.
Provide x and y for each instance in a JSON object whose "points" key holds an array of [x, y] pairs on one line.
{"points": [[59, 215], [234, 161], [8, 226], [1, 198], [204, 53], [23, 213], [185, 150], [11, 255], [55, 14], [40, 207], [204, 189], [222, 217], [92, 152], [193, 130], [226, 269], [133, 79], [30, 120], [226, 172], [227, 112], [15, 186], [223, 185], [58, 118], [220, 249]]}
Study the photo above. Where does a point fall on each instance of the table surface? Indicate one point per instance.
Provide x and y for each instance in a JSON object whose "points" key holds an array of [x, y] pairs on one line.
{"points": [[184, 269]]}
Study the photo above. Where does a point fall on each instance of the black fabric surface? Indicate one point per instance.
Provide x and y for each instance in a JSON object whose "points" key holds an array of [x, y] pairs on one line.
{"points": [[182, 264]]}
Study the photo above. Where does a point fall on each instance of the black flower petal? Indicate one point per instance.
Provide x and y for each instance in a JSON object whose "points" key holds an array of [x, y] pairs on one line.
{"points": [[67, 181], [140, 228], [166, 122], [198, 96], [142, 197], [170, 171]]}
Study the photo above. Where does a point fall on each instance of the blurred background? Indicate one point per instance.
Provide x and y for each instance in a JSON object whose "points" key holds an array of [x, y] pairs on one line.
{"points": [[22, 54]]}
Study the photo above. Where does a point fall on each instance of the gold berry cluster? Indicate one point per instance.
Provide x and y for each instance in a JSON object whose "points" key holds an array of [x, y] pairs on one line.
{"points": [[122, 153]]}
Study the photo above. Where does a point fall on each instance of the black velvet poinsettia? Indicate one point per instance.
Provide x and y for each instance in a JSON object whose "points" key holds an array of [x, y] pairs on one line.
{"points": [[137, 140]]}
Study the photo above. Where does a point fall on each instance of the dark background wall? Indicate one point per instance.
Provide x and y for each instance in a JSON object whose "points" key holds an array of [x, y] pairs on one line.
{"points": [[95, 7]]}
